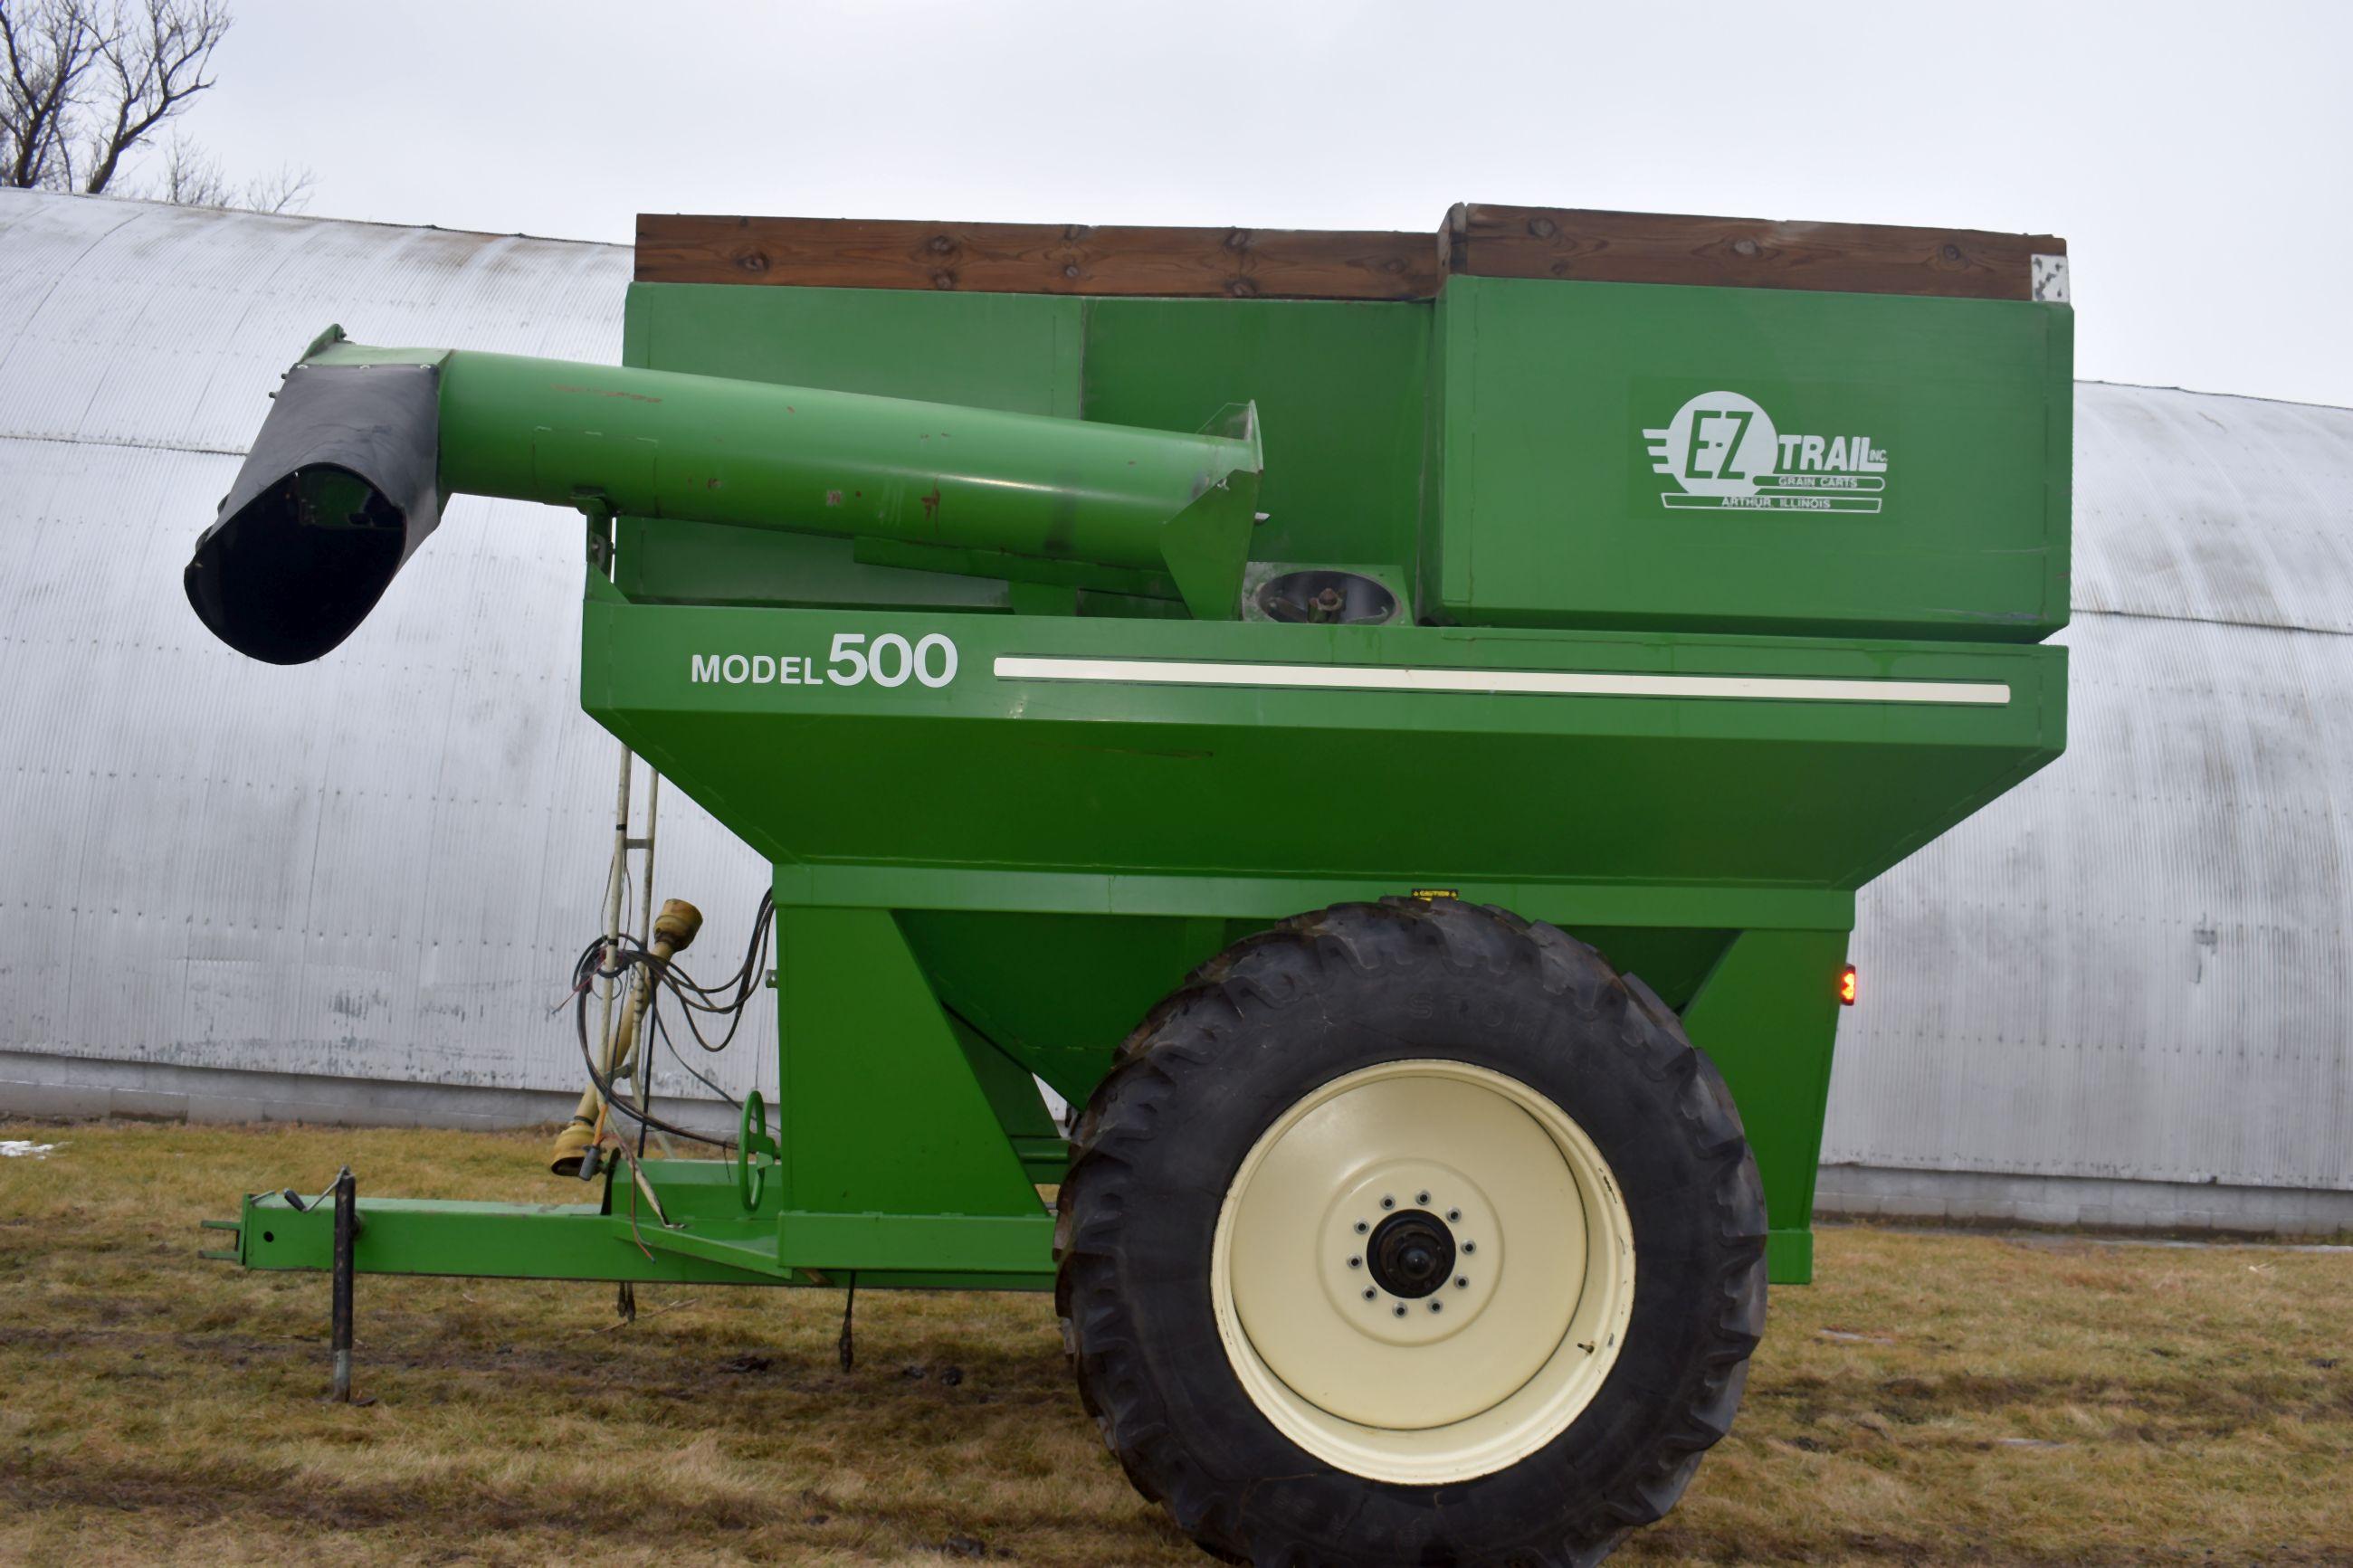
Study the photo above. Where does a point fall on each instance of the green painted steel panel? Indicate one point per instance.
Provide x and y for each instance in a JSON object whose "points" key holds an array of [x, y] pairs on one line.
{"points": [[878, 1109], [1837, 464], [1657, 827], [1768, 1015], [1239, 781], [1339, 387], [1059, 991], [1022, 353]]}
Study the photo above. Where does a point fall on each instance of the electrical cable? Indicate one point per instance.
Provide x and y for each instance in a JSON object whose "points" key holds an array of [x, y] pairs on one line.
{"points": [[632, 959], [622, 1102], [671, 1045]]}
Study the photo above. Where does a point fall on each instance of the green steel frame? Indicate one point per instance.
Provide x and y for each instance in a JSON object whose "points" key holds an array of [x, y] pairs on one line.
{"points": [[1687, 735], [909, 994]]}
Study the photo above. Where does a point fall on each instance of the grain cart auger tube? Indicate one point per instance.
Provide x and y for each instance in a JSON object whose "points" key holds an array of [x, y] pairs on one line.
{"points": [[363, 447], [1628, 591]]}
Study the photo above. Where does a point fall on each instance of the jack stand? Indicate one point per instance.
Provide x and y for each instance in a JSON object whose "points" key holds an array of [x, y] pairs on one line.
{"points": [[347, 1224]]}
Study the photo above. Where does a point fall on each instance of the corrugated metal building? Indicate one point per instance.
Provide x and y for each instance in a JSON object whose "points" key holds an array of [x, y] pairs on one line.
{"points": [[2120, 993], [353, 890], [349, 890]]}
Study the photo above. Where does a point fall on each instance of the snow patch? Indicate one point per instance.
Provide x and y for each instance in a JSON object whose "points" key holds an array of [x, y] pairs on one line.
{"points": [[10, 1148]]}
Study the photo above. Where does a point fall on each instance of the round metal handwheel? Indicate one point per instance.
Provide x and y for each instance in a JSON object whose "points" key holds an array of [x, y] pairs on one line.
{"points": [[756, 1152]]}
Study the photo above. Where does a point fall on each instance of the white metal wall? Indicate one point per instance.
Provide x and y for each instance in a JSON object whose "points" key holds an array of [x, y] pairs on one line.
{"points": [[380, 865], [2136, 965]]}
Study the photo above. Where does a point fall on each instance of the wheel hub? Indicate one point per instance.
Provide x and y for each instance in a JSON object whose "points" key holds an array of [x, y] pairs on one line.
{"points": [[1411, 1255], [1421, 1269]]}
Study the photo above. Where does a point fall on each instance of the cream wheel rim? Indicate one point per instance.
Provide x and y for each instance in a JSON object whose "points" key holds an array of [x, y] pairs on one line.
{"points": [[1423, 1271]]}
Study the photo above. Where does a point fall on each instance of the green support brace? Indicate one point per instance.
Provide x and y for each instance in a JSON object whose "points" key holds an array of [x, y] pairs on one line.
{"points": [[1768, 1015], [881, 1111]]}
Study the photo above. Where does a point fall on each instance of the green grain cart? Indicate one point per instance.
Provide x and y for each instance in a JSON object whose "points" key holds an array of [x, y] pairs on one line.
{"points": [[1280, 690]]}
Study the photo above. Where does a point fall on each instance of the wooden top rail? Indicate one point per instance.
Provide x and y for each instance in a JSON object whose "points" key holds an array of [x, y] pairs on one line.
{"points": [[1737, 252], [1477, 240]]}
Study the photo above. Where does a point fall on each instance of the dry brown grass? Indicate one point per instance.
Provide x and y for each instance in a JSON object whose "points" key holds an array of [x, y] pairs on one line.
{"points": [[1938, 1399]]}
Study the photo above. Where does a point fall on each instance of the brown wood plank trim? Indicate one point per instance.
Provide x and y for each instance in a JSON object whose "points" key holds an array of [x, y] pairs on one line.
{"points": [[1477, 240], [1039, 259], [1487, 241]]}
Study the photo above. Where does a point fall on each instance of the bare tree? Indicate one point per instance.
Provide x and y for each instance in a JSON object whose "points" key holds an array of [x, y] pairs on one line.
{"points": [[287, 191], [89, 82], [192, 176], [51, 47], [155, 66]]}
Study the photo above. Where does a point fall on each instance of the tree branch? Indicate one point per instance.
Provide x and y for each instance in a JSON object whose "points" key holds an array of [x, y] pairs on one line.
{"points": [[156, 72], [84, 84], [49, 47]]}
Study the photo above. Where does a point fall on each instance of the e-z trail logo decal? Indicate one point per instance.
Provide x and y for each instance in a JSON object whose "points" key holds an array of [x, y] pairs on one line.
{"points": [[1723, 451]]}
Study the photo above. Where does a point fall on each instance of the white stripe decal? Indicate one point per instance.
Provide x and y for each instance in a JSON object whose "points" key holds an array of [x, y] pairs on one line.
{"points": [[1514, 682]]}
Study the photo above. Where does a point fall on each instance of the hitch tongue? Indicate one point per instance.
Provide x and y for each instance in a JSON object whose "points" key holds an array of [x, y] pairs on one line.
{"points": [[234, 1254]]}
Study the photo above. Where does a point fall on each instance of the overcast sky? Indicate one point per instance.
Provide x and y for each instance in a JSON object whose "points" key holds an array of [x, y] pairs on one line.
{"points": [[2195, 157]]}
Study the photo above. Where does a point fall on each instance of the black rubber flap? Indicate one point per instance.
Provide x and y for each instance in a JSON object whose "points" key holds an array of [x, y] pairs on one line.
{"points": [[341, 488]]}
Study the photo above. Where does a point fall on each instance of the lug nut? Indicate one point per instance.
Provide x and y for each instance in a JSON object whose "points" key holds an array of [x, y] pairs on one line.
{"points": [[1421, 1197], [1400, 1309], [1370, 1292], [1470, 1246], [1461, 1282], [1438, 1306], [1388, 1203], [1362, 1228], [1355, 1263], [1453, 1216]]}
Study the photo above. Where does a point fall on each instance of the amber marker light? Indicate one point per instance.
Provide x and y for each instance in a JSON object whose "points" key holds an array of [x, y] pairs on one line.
{"points": [[1846, 986]]}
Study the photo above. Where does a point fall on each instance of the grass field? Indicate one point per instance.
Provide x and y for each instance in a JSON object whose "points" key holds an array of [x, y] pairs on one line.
{"points": [[1938, 1398]]}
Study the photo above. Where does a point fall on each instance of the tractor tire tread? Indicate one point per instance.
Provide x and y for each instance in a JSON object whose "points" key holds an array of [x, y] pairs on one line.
{"points": [[1191, 1032]]}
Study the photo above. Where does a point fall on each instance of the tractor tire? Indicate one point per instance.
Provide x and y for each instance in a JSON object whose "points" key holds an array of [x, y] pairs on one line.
{"points": [[1410, 1233]]}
